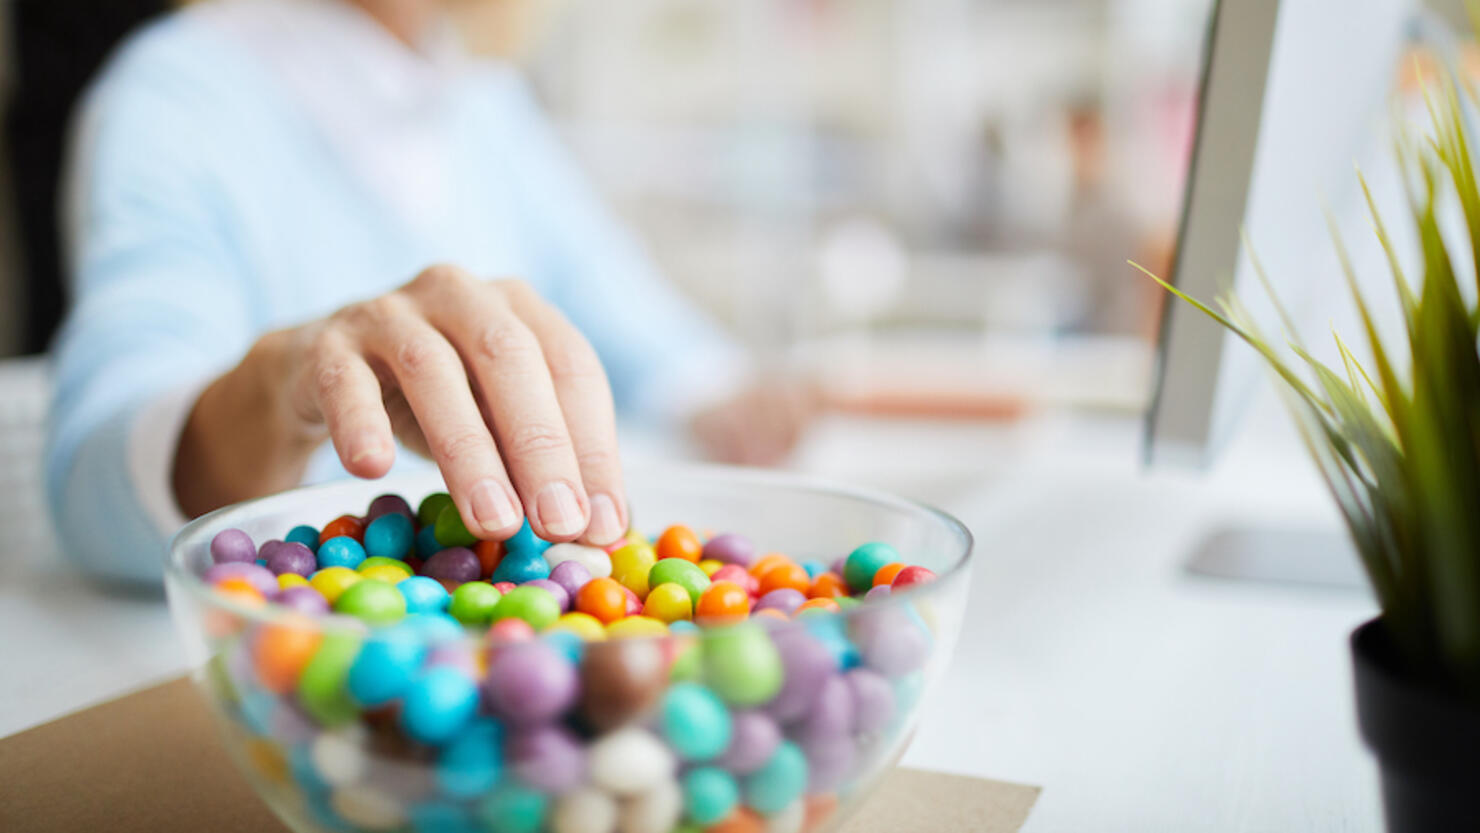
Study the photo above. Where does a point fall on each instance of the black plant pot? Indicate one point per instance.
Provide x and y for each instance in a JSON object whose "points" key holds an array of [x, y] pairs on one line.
{"points": [[1427, 740]]}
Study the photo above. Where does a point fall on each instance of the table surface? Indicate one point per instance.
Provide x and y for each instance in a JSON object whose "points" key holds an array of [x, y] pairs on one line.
{"points": [[1139, 696]]}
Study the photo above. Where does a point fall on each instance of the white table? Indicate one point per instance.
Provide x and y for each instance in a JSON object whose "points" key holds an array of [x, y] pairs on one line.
{"points": [[1140, 697]]}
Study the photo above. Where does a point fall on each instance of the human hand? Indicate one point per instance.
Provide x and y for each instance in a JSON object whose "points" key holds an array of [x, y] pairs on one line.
{"points": [[758, 426]]}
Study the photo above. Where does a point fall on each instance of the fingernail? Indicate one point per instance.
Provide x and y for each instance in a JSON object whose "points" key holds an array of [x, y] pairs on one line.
{"points": [[606, 524], [560, 512], [493, 509]]}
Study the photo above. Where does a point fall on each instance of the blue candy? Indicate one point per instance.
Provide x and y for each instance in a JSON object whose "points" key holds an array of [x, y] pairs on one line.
{"points": [[709, 794], [426, 543], [567, 643], [831, 632], [390, 536], [300, 764], [441, 817], [386, 666], [438, 704], [423, 594], [472, 763], [682, 626], [695, 722], [305, 535], [519, 567], [814, 567], [769, 789], [525, 541], [341, 551], [435, 628]]}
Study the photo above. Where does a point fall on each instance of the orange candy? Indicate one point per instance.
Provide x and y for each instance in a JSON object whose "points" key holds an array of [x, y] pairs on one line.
{"points": [[818, 604], [764, 564], [743, 820], [678, 541], [886, 573], [281, 651], [819, 809], [489, 553], [828, 586], [771, 612], [784, 576], [724, 601], [240, 590], [349, 525], [604, 598]]}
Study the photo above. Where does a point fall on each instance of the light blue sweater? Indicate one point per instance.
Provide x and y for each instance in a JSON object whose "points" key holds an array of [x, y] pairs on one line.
{"points": [[207, 209]]}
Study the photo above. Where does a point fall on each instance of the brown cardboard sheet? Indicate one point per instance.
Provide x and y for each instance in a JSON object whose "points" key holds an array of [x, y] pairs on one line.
{"points": [[152, 761]]}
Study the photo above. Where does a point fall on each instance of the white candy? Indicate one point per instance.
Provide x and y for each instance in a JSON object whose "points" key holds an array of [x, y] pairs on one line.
{"points": [[594, 559], [585, 810], [629, 761], [655, 811], [366, 807], [789, 820], [339, 755]]}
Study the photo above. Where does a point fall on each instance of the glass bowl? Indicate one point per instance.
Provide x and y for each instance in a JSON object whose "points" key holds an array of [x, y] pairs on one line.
{"points": [[645, 746]]}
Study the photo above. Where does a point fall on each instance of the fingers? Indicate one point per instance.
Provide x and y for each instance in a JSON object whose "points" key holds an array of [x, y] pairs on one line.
{"points": [[347, 395], [509, 366], [586, 401], [431, 376]]}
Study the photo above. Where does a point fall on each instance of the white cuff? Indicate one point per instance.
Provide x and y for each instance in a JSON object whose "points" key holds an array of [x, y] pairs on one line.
{"points": [[692, 383], [153, 438]]}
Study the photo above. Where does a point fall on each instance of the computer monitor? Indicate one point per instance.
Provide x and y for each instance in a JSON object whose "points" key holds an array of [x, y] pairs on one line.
{"points": [[1293, 91]]}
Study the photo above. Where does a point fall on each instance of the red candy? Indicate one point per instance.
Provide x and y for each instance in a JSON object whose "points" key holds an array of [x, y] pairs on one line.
{"points": [[347, 525], [911, 576]]}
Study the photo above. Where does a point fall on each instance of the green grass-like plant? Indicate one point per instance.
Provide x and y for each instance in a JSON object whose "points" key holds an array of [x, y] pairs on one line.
{"points": [[1399, 447]]}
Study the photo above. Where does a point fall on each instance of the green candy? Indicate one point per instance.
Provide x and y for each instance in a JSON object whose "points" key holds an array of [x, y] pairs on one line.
{"points": [[473, 602], [377, 560], [862, 563], [846, 602], [687, 666], [432, 506], [534, 605], [450, 529], [373, 601], [741, 665], [513, 808], [685, 574], [321, 688]]}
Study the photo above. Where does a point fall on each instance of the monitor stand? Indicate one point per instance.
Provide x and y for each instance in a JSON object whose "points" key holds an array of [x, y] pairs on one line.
{"points": [[1281, 555]]}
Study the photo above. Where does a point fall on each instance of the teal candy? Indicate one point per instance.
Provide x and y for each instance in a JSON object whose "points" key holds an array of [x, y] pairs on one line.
{"points": [[769, 789], [862, 563], [535, 605], [431, 506], [741, 664], [682, 626], [300, 765], [438, 704], [426, 543], [513, 808], [685, 574], [695, 722], [831, 631], [341, 551], [423, 595], [567, 643], [814, 567], [472, 763], [305, 535], [441, 817], [709, 795], [390, 536], [525, 541], [386, 665], [517, 567], [435, 628], [451, 531]]}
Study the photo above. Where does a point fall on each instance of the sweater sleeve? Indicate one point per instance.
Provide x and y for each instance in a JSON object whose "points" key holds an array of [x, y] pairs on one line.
{"points": [[160, 304], [665, 357]]}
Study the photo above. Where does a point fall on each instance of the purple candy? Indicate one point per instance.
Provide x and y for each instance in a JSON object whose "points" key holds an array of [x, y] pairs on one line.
{"points": [[530, 682], [453, 564], [831, 713], [731, 549], [303, 599], [570, 575], [829, 761], [453, 655], [292, 557], [388, 505], [258, 576], [892, 642], [269, 549], [233, 545], [289, 723], [548, 758], [838, 564], [873, 700], [808, 663], [785, 600], [753, 737], [877, 592], [556, 589]]}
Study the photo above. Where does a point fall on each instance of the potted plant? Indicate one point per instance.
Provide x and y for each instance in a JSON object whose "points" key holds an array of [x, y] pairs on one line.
{"points": [[1397, 441]]}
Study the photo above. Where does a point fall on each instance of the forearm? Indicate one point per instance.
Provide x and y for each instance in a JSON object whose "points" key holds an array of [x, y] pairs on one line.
{"points": [[242, 438]]}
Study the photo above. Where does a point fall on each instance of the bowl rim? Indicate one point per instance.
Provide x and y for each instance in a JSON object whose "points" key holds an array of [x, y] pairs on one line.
{"points": [[178, 575]]}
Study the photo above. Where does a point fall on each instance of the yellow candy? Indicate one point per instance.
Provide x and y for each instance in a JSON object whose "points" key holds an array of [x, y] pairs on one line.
{"points": [[710, 566], [287, 580], [633, 557], [584, 625], [634, 579], [388, 573], [634, 626], [635, 537], [669, 602], [331, 581]]}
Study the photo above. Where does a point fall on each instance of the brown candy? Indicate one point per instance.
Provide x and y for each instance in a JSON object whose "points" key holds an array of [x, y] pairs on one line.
{"points": [[621, 680]]}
